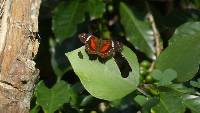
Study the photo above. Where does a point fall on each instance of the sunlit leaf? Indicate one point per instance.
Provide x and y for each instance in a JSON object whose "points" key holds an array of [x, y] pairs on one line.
{"points": [[104, 80]]}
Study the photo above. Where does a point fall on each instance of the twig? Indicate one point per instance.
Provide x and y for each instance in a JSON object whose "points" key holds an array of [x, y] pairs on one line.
{"points": [[152, 66], [142, 91], [156, 35]]}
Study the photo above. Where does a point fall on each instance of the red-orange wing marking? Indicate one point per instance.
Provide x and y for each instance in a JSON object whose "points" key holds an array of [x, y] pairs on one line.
{"points": [[92, 45], [105, 49]]}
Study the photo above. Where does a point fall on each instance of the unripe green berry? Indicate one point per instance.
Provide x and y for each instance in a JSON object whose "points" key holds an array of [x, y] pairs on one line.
{"points": [[149, 79], [145, 63], [143, 71], [110, 8]]}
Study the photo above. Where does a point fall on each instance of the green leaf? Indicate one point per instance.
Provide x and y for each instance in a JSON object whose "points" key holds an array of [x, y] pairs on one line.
{"points": [[140, 99], [55, 65], [35, 109], [96, 8], [183, 53], [52, 99], [179, 89], [138, 31], [103, 80], [59, 62], [193, 112], [86, 100], [67, 15], [196, 3], [169, 104], [192, 102], [164, 78], [195, 83], [149, 104], [66, 18]]}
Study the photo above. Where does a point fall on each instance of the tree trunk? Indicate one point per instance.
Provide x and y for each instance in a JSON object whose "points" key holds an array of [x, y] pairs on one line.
{"points": [[18, 47]]}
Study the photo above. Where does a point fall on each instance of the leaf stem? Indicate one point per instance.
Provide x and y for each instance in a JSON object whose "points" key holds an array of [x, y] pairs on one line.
{"points": [[66, 70]]}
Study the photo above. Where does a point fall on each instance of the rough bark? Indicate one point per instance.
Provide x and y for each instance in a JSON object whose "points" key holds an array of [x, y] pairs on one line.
{"points": [[18, 47]]}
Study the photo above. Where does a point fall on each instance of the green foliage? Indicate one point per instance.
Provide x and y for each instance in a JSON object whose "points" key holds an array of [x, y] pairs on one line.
{"points": [[183, 53], [164, 78], [169, 104], [68, 15], [197, 3], [138, 31], [164, 83], [35, 109], [54, 98], [104, 80], [146, 108], [179, 89], [195, 83], [55, 65], [192, 102], [140, 99]]}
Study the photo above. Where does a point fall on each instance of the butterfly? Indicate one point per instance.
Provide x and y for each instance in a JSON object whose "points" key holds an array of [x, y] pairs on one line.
{"points": [[100, 47]]}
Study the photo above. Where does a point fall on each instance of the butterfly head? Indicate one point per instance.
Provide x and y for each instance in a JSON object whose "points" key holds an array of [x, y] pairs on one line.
{"points": [[83, 37]]}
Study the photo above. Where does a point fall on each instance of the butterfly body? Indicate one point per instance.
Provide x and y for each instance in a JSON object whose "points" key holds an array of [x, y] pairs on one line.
{"points": [[100, 47]]}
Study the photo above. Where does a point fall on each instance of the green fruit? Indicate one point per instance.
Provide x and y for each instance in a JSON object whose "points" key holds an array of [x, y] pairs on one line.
{"points": [[152, 111], [145, 63], [110, 8], [143, 71], [93, 112], [149, 79]]}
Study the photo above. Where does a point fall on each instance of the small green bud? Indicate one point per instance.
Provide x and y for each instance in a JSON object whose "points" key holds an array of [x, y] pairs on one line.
{"points": [[145, 63], [149, 79], [110, 8], [143, 71]]}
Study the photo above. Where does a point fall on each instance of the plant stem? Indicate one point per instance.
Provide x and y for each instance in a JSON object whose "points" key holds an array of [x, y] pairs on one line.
{"points": [[142, 91], [156, 35]]}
